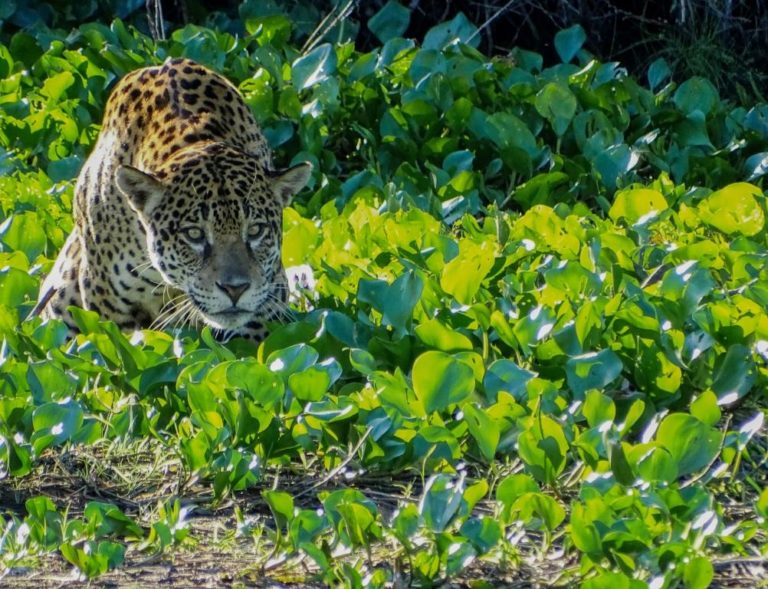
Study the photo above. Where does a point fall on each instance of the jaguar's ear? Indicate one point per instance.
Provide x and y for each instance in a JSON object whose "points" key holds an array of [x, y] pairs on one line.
{"points": [[288, 182], [143, 191]]}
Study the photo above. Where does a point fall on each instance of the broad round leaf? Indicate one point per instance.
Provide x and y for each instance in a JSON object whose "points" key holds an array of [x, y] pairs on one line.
{"points": [[256, 379], [594, 370], [394, 301], [513, 487], [598, 408], [698, 573], [556, 103], [658, 71], [314, 67], [637, 204], [436, 334], [484, 533], [705, 408], [23, 232], [54, 423], [463, 276], [484, 429], [569, 41], [440, 380], [734, 209], [653, 464], [292, 359], [311, 384], [458, 30], [735, 376], [441, 501], [505, 375], [543, 448], [696, 94], [691, 443], [391, 21]]}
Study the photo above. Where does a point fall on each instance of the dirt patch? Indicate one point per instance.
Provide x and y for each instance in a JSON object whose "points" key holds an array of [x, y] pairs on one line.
{"points": [[215, 555]]}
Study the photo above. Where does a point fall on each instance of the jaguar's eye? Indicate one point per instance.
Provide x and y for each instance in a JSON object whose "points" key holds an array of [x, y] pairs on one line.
{"points": [[194, 235], [255, 232]]}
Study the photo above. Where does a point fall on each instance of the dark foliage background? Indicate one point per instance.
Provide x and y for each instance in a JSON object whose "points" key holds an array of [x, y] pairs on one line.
{"points": [[723, 40]]}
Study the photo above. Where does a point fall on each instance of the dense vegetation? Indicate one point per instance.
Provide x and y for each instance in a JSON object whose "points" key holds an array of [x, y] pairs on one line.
{"points": [[538, 329]]}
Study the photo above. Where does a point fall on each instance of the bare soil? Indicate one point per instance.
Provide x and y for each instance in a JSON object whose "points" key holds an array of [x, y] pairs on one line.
{"points": [[136, 478]]}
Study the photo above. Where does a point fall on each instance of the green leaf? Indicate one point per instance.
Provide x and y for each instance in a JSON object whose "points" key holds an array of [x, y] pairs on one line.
{"points": [[508, 131], [761, 505], [359, 523], [653, 464], [66, 168], [441, 501], [756, 166], [484, 533], [534, 327], [436, 335], [274, 28], [484, 429], [394, 301], [692, 131], [734, 209], [391, 21], [440, 380], [406, 523], [94, 558], [583, 533], [310, 385], [306, 525], [569, 41], [704, 407], [457, 30], [314, 67], [542, 507], [463, 276], [106, 520], [543, 448], [556, 103], [658, 71], [692, 444], [261, 384], [749, 429], [620, 467], [16, 286], [613, 162], [56, 85], [608, 580], [696, 94], [48, 381], [598, 408], [362, 361], [546, 189], [505, 375], [594, 370], [55, 423], [512, 488], [23, 232], [15, 457], [655, 373], [281, 505], [698, 573], [636, 205], [735, 376], [295, 358]]}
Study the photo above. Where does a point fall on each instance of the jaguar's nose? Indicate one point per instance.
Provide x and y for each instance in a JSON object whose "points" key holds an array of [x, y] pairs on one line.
{"points": [[234, 289]]}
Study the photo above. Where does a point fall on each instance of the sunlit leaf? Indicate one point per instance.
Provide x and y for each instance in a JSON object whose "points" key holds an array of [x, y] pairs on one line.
{"points": [[440, 380]]}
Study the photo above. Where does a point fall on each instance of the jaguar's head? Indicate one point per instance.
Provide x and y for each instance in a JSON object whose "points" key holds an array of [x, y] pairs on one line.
{"points": [[212, 217]]}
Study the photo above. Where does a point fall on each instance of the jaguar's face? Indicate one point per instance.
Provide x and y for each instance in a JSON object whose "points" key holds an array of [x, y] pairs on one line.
{"points": [[213, 224]]}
